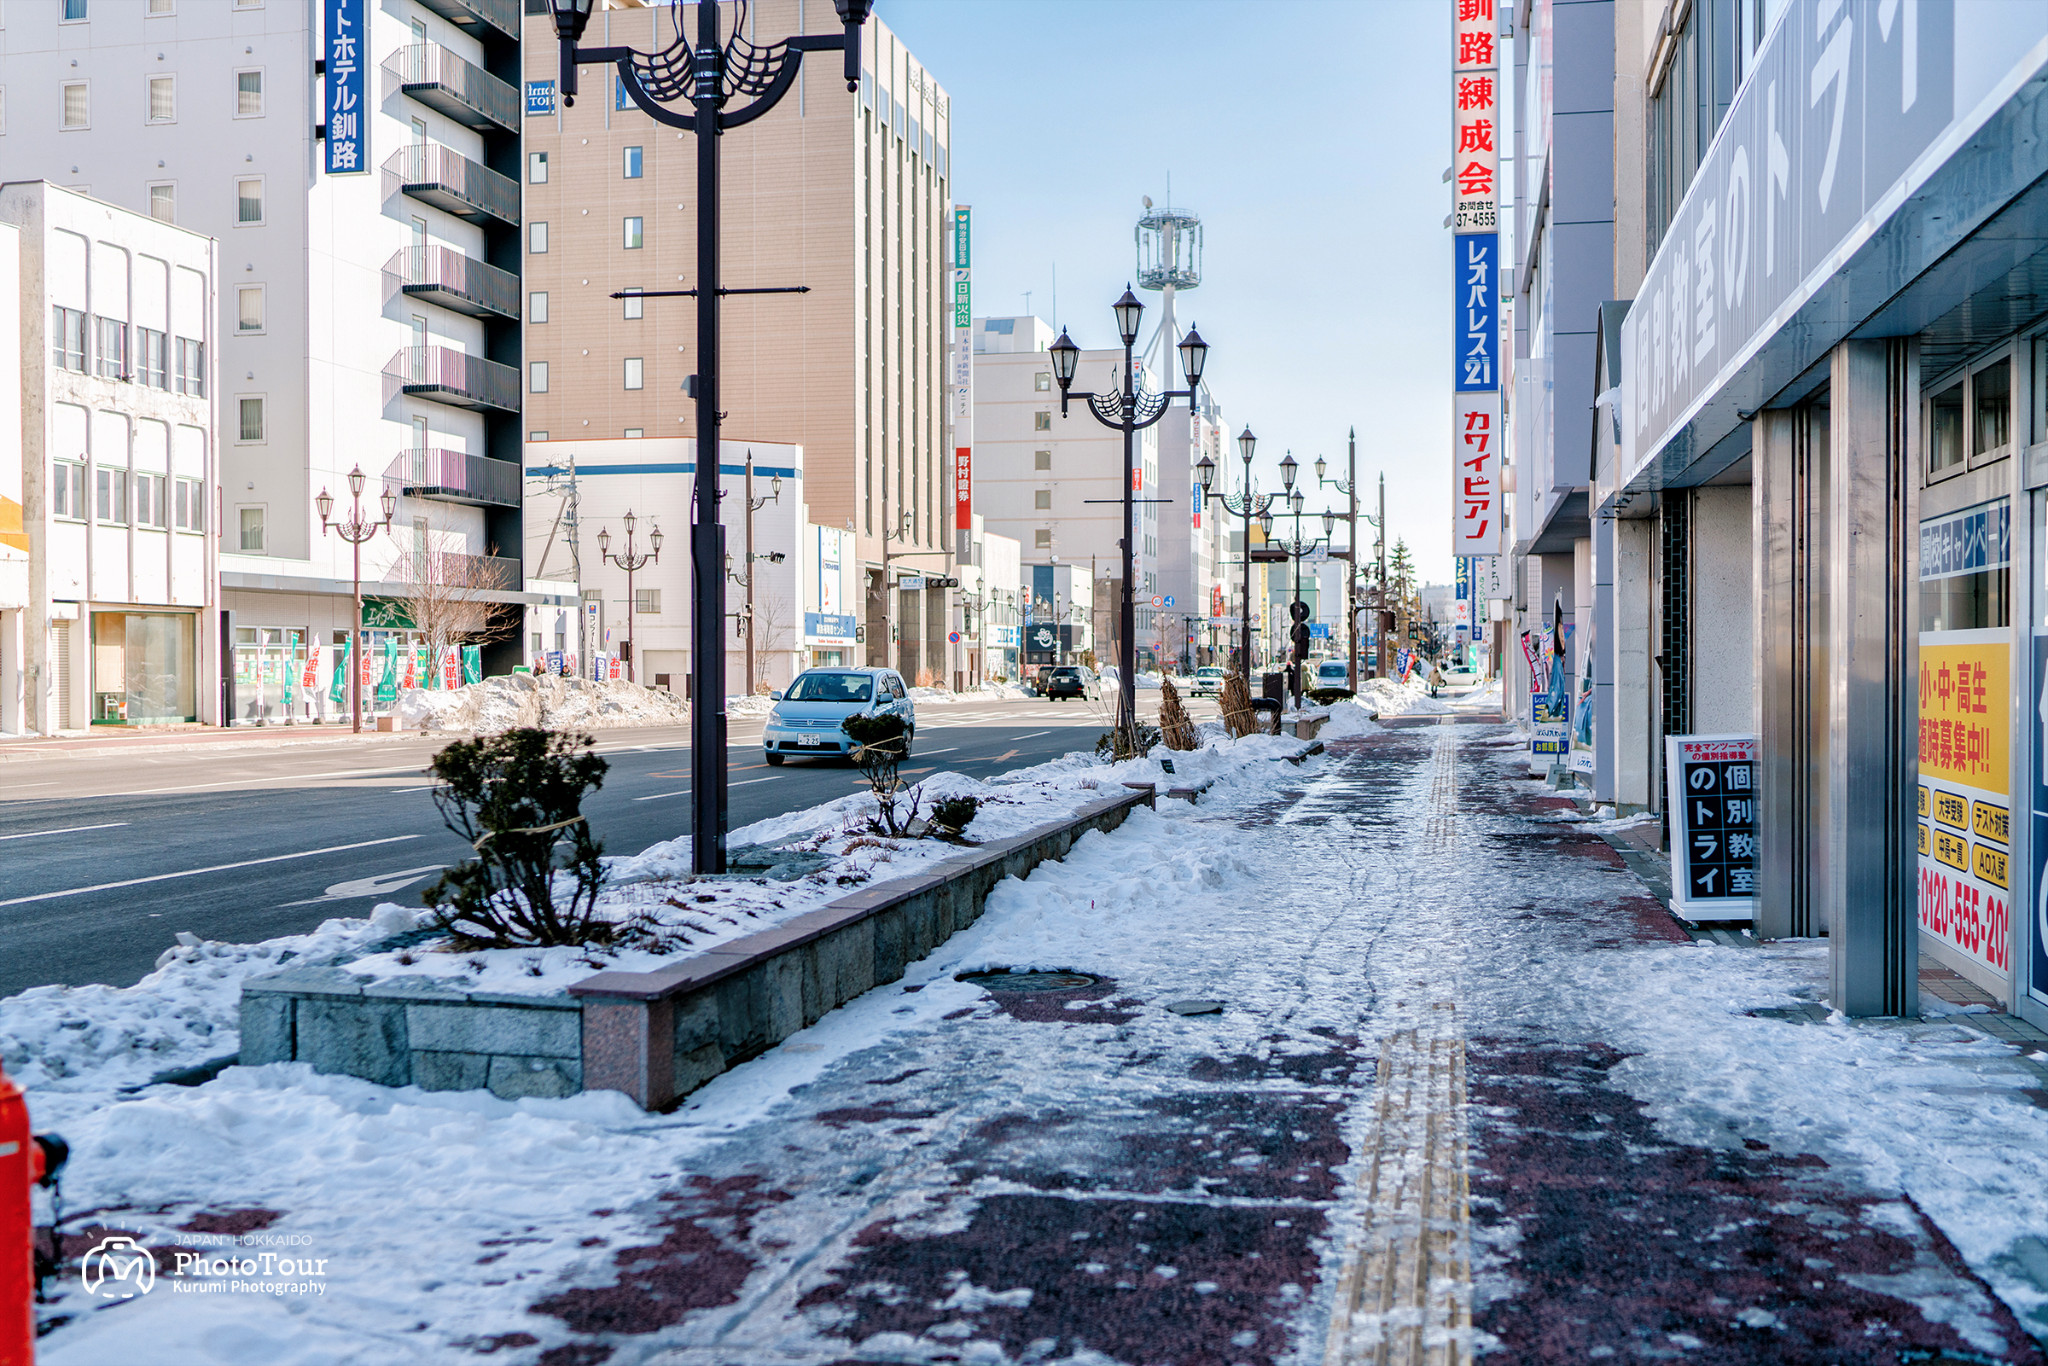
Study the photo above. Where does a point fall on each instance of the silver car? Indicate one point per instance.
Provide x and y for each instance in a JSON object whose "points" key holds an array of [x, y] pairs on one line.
{"points": [[807, 714]]}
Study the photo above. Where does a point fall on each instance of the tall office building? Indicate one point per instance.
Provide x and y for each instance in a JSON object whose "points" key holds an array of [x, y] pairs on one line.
{"points": [[357, 162], [844, 194]]}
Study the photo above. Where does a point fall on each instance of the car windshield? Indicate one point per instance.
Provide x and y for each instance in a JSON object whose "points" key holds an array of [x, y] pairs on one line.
{"points": [[1066, 673], [831, 687], [1208, 673]]}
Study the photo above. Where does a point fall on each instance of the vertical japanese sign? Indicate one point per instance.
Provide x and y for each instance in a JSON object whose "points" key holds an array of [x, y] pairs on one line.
{"points": [[963, 373], [348, 126], [1475, 182], [1965, 791], [1713, 814]]}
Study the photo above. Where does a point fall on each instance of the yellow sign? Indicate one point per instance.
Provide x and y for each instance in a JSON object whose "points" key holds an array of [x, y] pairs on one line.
{"points": [[1992, 822], [1923, 837], [1965, 710], [1923, 801], [1952, 808], [1953, 850], [1990, 864]]}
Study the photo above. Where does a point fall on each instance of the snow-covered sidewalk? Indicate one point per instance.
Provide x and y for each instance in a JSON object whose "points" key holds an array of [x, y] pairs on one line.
{"points": [[1159, 1154]]}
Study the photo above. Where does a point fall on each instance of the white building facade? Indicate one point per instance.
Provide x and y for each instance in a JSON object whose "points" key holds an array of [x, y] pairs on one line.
{"points": [[357, 163], [107, 554]]}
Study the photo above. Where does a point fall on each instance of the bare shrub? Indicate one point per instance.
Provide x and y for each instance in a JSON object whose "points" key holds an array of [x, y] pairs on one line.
{"points": [[1238, 717], [1176, 727]]}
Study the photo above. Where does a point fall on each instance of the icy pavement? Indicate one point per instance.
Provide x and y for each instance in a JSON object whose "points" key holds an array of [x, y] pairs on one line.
{"points": [[1426, 990]]}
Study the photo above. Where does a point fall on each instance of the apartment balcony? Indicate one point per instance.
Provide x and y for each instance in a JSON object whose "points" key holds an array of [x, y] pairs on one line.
{"points": [[484, 18], [471, 576], [455, 378], [444, 82], [450, 181], [445, 276], [456, 477]]}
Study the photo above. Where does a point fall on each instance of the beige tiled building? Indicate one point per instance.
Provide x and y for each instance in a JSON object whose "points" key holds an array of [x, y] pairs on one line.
{"points": [[846, 194]]}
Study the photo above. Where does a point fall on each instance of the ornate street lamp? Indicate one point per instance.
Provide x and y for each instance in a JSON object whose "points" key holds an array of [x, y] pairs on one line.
{"points": [[1129, 410], [1348, 486], [1247, 504], [355, 531], [630, 562], [713, 76]]}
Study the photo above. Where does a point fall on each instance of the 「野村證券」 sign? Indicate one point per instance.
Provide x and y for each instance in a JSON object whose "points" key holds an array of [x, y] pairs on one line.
{"points": [[1965, 795]]}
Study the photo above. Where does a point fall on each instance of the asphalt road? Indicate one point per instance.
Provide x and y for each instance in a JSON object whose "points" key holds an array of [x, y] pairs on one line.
{"points": [[105, 857]]}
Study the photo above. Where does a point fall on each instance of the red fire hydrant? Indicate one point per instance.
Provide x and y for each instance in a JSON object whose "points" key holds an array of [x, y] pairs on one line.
{"points": [[25, 1161]]}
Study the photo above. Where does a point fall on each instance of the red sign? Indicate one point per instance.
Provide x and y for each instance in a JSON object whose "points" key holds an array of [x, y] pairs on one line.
{"points": [[963, 489]]}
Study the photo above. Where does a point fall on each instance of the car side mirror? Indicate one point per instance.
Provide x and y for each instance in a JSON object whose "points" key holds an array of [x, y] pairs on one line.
{"points": [[775, 696]]}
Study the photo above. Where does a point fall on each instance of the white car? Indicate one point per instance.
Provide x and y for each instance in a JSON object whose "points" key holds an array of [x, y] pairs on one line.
{"points": [[1329, 673], [1460, 680], [1207, 682]]}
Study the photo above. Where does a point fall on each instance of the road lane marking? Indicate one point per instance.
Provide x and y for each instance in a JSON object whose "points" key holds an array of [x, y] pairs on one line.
{"points": [[928, 753], [280, 778], [686, 791], [380, 885], [197, 872], [67, 830], [1032, 736]]}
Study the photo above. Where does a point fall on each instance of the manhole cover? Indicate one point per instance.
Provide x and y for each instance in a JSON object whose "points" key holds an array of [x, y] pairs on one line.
{"points": [[1029, 981]]}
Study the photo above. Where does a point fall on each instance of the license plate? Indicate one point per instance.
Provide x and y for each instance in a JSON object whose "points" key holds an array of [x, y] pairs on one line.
{"points": [[808, 741]]}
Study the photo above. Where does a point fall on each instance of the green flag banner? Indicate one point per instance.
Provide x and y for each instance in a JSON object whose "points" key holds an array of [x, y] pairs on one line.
{"points": [[472, 664], [387, 679], [337, 694]]}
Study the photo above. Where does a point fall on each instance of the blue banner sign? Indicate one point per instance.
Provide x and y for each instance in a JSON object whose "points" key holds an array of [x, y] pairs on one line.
{"points": [[1477, 320], [348, 126], [827, 624], [540, 98], [1969, 542]]}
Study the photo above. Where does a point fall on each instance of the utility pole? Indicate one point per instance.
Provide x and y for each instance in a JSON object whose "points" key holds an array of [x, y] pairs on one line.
{"points": [[1381, 611], [753, 506], [1351, 569]]}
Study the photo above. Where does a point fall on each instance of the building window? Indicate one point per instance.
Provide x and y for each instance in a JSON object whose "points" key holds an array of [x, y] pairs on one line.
{"points": [[74, 11], [536, 436], [111, 486], [1991, 402], [632, 166], [536, 168], [635, 433], [3, 110], [112, 348], [252, 529], [163, 99], [163, 203], [252, 419], [150, 500], [1042, 499], [250, 299], [248, 94], [67, 490], [636, 371], [636, 306], [249, 201], [152, 358], [1041, 422], [163, 6], [537, 372], [1042, 382], [191, 357], [1041, 460], [537, 306], [647, 601], [537, 238], [190, 501], [633, 235], [67, 339], [77, 105], [1042, 538]]}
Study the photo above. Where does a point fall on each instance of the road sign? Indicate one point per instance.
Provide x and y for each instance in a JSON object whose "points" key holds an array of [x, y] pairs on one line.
{"points": [[1169, 599], [1158, 601], [953, 636]]}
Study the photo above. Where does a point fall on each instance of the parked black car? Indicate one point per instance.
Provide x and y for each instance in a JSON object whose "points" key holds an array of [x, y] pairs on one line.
{"points": [[1070, 680]]}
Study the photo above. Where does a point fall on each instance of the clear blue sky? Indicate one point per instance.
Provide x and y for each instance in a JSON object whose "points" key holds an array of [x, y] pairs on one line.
{"points": [[1312, 139]]}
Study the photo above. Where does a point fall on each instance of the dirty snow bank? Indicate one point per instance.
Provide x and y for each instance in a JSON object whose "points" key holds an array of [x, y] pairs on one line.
{"points": [[543, 700]]}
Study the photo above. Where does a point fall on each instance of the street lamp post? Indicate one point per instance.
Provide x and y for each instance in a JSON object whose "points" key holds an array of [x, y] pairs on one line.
{"points": [[710, 75], [631, 563], [753, 506], [1349, 487], [1297, 548], [1247, 504], [1129, 410], [356, 531]]}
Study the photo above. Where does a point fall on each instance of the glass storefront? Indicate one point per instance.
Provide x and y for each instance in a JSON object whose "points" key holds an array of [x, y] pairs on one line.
{"points": [[142, 668], [268, 666]]}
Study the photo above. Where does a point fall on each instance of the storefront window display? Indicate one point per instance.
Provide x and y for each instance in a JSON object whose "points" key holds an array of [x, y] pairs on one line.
{"points": [[142, 668]]}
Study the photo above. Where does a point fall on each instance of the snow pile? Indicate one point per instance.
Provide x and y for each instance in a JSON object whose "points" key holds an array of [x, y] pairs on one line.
{"points": [[755, 704], [543, 700], [98, 1038], [985, 692], [1391, 698], [681, 916], [1348, 721]]}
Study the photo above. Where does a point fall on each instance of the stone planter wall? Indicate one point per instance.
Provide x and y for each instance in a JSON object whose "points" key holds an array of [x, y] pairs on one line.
{"points": [[654, 1035]]}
